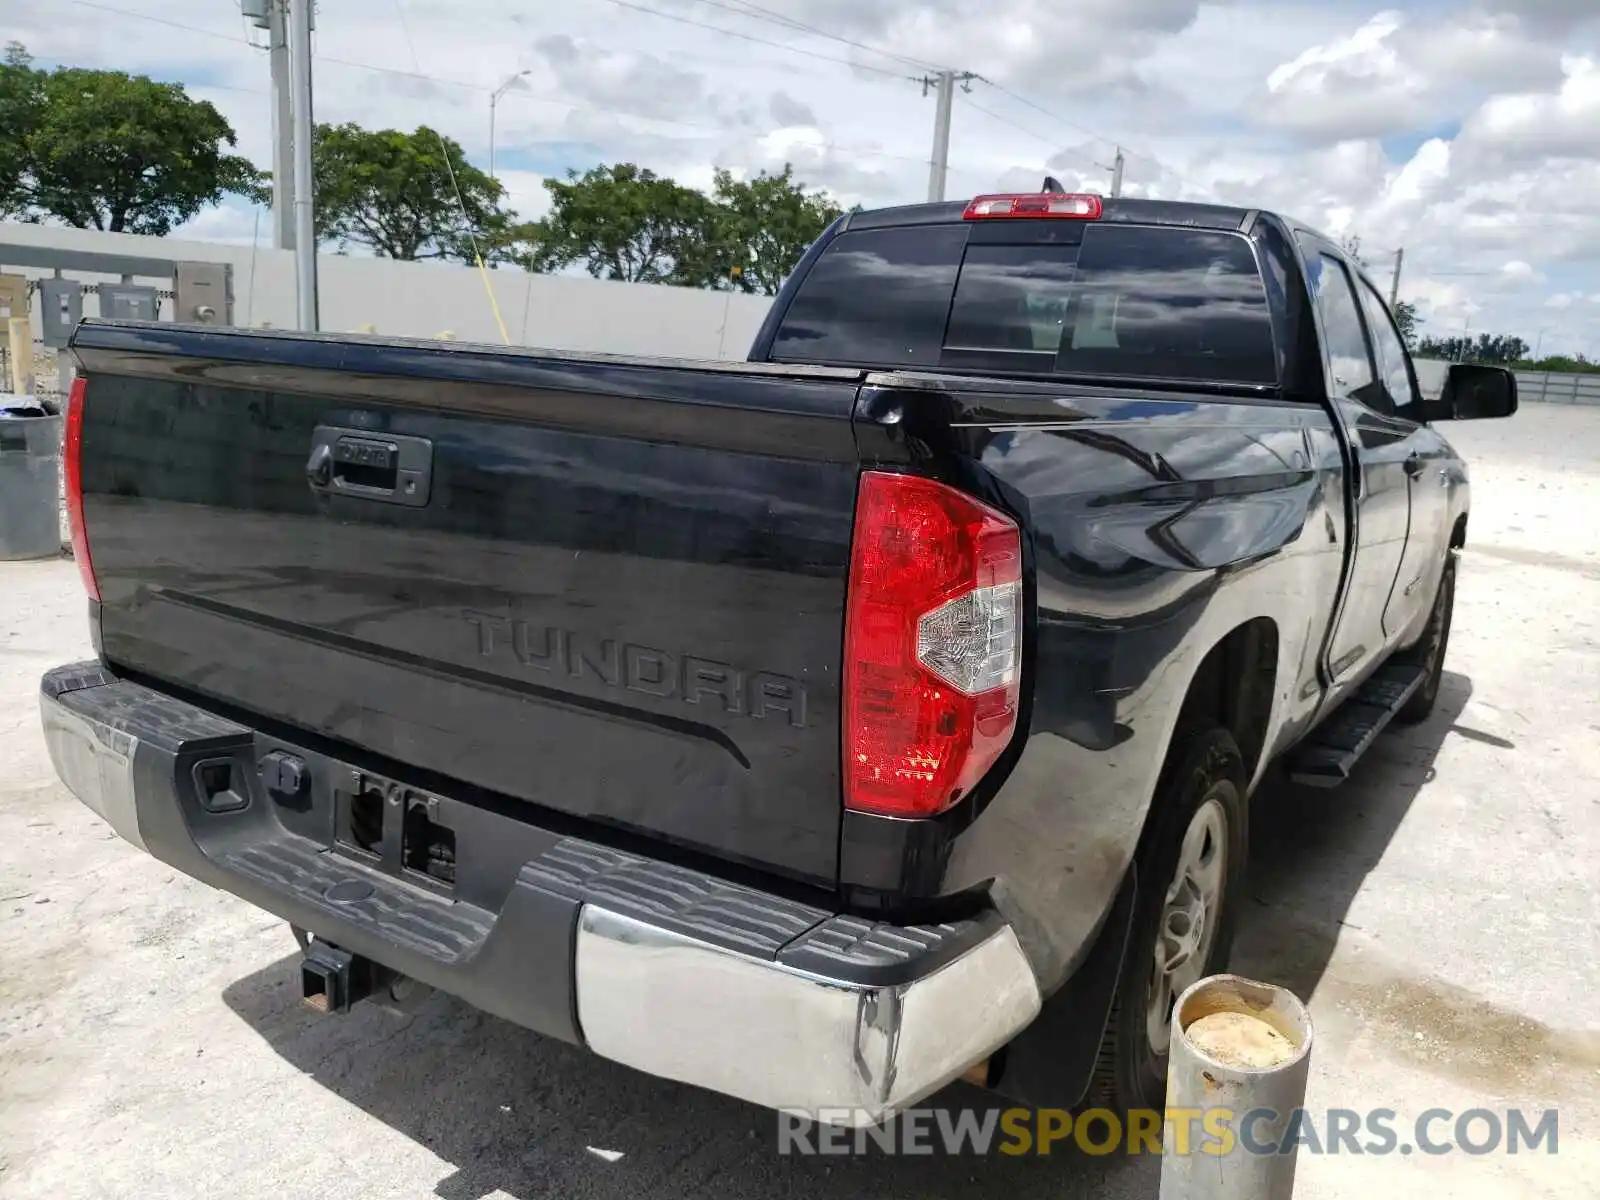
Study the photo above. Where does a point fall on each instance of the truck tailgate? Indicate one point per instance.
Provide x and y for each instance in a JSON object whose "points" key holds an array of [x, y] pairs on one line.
{"points": [[609, 588]]}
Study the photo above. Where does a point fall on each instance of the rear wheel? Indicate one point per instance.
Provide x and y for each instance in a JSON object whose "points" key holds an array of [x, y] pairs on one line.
{"points": [[1189, 866], [1430, 650]]}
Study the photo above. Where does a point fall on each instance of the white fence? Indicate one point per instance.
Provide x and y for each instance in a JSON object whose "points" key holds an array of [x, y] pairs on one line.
{"points": [[1533, 387], [1554, 387], [556, 312]]}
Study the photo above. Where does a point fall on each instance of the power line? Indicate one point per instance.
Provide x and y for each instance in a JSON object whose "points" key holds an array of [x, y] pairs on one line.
{"points": [[1054, 143], [1120, 146], [1099, 137], [750, 37], [1059, 119], [1062, 150], [863, 151], [747, 8], [123, 12], [455, 185], [744, 8], [524, 98]]}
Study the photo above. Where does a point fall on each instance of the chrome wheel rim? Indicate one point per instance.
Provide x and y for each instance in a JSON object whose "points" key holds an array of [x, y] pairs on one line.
{"points": [[1189, 916]]}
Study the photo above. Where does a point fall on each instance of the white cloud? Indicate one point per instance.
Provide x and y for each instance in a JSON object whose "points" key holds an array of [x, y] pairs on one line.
{"points": [[1355, 87], [1467, 131], [623, 81], [1532, 127], [525, 192], [1394, 74], [790, 113]]}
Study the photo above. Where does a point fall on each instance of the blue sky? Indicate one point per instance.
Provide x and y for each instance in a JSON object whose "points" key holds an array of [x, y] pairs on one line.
{"points": [[1467, 131]]}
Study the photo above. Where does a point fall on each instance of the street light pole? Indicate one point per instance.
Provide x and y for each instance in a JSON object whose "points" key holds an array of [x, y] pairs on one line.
{"points": [[305, 236], [494, 100]]}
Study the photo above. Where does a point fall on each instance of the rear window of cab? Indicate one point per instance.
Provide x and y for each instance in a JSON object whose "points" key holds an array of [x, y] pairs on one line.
{"points": [[1131, 301]]}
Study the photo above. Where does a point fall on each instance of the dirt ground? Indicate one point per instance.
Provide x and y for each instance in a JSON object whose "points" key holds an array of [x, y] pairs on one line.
{"points": [[1440, 913]]}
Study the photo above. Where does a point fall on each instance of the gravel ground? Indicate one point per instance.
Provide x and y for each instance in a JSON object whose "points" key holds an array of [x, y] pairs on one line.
{"points": [[1439, 912]]}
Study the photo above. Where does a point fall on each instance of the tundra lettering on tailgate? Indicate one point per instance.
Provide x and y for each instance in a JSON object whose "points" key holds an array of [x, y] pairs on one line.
{"points": [[640, 669]]}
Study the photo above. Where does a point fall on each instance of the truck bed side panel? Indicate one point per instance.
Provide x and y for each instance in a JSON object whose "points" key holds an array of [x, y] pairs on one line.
{"points": [[1159, 525]]}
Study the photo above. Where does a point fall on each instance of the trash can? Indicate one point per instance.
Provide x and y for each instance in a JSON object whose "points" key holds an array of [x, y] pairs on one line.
{"points": [[30, 480]]}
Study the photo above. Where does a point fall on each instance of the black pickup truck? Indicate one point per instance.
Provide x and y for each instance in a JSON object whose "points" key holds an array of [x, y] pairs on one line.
{"points": [[817, 729]]}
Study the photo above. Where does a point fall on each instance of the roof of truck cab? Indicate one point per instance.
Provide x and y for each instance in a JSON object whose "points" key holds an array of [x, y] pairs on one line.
{"points": [[1140, 212]]}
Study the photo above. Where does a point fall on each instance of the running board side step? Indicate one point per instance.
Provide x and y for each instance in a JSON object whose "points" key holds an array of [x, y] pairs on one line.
{"points": [[1327, 756]]}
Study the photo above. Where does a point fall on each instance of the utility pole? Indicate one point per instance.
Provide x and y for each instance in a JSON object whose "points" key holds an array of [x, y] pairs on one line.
{"points": [[282, 126], [1116, 174], [1394, 284], [305, 246], [939, 165], [272, 16]]}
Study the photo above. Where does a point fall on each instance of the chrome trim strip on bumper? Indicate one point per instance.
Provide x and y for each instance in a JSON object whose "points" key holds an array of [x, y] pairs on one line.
{"points": [[95, 761], [675, 1007]]}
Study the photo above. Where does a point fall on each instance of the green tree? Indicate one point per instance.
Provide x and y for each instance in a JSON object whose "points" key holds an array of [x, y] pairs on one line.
{"points": [[113, 151], [764, 225], [1493, 349], [625, 222], [1454, 349], [1405, 316], [1499, 349], [405, 195], [21, 97], [1566, 364]]}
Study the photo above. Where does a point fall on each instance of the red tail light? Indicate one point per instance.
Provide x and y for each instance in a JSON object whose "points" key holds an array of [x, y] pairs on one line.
{"points": [[933, 645], [72, 467]]}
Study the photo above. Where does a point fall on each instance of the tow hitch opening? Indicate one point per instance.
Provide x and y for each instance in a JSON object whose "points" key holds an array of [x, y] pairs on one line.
{"points": [[331, 979]]}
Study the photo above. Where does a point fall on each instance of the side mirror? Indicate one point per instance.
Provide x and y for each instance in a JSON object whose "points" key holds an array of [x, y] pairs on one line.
{"points": [[1472, 392]]}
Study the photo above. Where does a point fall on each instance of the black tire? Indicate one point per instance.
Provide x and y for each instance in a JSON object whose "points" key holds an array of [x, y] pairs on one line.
{"points": [[1131, 1071], [1431, 648]]}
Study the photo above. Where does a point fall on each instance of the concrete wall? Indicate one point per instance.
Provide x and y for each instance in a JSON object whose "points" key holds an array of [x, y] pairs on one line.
{"points": [[427, 299]]}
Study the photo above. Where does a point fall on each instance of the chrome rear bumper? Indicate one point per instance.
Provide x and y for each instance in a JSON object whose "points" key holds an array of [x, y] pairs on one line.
{"points": [[661, 968], [677, 1008]]}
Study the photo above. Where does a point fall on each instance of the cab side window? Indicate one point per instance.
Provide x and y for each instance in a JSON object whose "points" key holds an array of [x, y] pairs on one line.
{"points": [[1393, 371], [1348, 352]]}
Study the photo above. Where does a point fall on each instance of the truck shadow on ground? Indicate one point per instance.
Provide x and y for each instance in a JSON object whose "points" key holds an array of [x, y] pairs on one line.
{"points": [[529, 1117], [1312, 848], [525, 1116]]}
